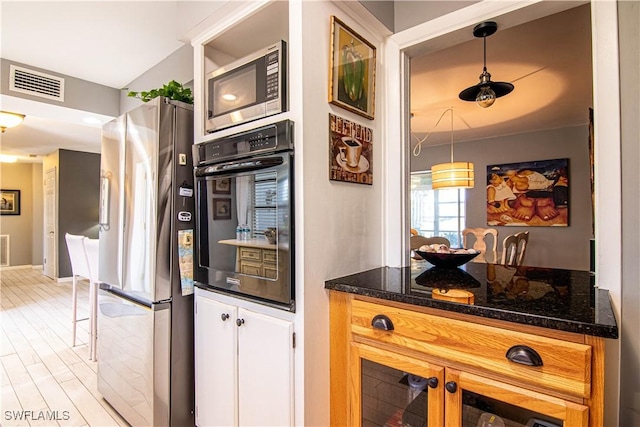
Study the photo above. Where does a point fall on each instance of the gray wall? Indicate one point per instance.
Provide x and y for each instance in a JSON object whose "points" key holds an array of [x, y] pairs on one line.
{"points": [[178, 66], [629, 38], [555, 247], [78, 200], [383, 10], [78, 94], [411, 13], [18, 176], [400, 15]]}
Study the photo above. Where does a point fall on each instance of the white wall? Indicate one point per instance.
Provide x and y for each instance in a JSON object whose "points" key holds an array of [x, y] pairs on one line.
{"points": [[342, 221]]}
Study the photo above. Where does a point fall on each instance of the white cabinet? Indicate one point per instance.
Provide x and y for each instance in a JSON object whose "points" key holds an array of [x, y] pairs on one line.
{"points": [[243, 366]]}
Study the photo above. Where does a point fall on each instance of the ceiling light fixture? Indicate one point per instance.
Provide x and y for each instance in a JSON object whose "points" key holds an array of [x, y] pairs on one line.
{"points": [[485, 92], [9, 120], [448, 175], [92, 121], [6, 158]]}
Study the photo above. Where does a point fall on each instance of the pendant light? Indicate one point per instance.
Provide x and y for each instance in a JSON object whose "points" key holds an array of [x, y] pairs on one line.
{"points": [[485, 92], [9, 120], [453, 174]]}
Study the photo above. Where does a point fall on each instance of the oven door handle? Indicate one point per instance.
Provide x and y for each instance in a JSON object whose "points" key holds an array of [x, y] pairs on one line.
{"points": [[239, 166]]}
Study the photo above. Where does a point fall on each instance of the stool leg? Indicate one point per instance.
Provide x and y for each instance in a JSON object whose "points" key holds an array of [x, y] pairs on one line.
{"points": [[93, 294], [74, 309]]}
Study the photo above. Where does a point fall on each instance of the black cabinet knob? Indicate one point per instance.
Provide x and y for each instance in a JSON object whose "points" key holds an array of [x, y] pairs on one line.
{"points": [[432, 382], [382, 322], [524, 355], [239, 322], [451, 386], [224, 316]]}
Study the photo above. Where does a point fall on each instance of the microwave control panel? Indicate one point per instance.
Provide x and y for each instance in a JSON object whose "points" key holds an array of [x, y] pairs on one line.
{"points": [[272, 76]]}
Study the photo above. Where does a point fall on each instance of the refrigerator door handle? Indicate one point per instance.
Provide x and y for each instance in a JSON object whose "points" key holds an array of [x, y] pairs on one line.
{"points": [[153, 306], [127, 296], [105, 196]]}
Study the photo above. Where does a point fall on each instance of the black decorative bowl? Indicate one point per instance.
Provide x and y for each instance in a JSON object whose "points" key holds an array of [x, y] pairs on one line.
{"points": [[446, 278], [446, 260]]}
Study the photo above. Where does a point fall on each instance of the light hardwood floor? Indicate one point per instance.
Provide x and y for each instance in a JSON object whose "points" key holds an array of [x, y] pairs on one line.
{"points": [[45, 381]]}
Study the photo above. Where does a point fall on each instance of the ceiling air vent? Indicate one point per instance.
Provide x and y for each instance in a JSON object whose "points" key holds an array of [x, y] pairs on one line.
{"points": [[35, 83]]}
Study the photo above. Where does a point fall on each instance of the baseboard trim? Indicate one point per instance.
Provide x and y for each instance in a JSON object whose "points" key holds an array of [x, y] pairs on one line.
{"points": [[16, 267]]}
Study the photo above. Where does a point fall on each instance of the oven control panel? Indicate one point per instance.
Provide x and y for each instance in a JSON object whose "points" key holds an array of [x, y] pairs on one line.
{"points": [[271, 138]]}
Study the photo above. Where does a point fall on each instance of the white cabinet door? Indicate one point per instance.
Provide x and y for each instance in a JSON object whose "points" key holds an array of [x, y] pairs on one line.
{"points": [[215, 363], [265, 370]]}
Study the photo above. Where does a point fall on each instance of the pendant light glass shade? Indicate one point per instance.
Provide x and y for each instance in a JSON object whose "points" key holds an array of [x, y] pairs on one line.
{"points": [[486, 91], [452, 175]]}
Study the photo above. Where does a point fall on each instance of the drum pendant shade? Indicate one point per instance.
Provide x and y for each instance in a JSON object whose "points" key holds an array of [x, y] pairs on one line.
{"points": [[452, 174]]}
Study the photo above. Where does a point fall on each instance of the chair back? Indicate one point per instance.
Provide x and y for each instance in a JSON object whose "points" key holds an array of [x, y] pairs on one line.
{"points": [[514, 247], [91, 247], [78, 256], [486, 245], [417, 241]]}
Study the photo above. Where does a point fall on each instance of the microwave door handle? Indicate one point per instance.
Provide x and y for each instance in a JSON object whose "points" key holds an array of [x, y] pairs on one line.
{"points": [[239, 166]]}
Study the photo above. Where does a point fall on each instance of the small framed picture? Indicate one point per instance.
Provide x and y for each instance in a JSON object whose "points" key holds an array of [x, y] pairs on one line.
{"points": [[352, 73], [221, 209], [9, 202], [222, 186]]}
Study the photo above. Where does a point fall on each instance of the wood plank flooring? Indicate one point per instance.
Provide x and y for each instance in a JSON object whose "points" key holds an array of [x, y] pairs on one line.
{"points": [[45, 381]]}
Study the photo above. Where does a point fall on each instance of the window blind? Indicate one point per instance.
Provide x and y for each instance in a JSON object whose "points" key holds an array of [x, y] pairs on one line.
{"points": [[265, 202]]}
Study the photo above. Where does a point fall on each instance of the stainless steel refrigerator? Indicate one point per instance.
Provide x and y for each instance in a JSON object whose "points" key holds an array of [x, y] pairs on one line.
{"points": [[145, 323]]}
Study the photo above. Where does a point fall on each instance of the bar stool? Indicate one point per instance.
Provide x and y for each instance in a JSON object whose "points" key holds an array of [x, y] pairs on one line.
{"points": [[81, 268], [91, 248]]}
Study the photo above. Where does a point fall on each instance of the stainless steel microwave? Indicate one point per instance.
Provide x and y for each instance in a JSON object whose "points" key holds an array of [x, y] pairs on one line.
{"points": [[247, 89]]}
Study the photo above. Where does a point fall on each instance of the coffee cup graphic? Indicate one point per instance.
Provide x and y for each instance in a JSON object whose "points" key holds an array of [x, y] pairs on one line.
{"points": [[350, 151]]}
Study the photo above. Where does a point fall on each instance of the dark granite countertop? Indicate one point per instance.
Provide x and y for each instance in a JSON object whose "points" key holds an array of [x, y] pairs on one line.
{"points": [[566, 300]]}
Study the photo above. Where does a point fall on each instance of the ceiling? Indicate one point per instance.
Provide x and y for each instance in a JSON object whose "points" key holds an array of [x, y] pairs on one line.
{"points": [[106, 42], [547, 60], [109, 42]]}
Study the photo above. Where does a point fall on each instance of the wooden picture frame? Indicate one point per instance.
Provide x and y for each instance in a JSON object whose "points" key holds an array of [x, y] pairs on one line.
{"points": [[352, 70], [9, 202], [221, 209], [222, 186]]}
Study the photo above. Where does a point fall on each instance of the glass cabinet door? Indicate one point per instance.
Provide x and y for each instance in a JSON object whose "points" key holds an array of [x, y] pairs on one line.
{"points": [[389, 389], [474, 401]]}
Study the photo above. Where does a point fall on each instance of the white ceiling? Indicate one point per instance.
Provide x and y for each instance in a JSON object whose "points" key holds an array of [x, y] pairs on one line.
{"points": [[106, 42]]}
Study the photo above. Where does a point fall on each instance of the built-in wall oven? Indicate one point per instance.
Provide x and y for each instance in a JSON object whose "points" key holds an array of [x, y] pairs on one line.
{"points": [[244, 215]]}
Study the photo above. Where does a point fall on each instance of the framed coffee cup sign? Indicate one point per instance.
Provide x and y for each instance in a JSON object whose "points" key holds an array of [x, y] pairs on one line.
{"points": [[352, 73], [350, 151]]}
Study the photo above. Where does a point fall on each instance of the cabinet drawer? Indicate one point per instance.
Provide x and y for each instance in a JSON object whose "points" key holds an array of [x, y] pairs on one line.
{"points": [[251, 269], [270, 272], [269, 256], [566, 366], [253, 254]]}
